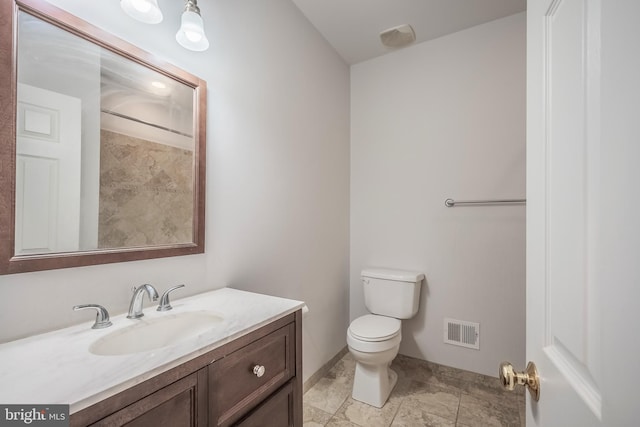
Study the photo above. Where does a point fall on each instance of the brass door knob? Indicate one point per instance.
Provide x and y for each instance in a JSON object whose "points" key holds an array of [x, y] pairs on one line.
{"points": [[529, 378]]}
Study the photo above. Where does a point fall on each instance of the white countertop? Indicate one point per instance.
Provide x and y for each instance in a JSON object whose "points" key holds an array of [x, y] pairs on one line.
{"points": [[57, 367]]}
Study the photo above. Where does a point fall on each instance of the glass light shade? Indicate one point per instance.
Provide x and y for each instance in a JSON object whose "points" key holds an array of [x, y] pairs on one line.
{"points": [[191, 33], [146, 11]]}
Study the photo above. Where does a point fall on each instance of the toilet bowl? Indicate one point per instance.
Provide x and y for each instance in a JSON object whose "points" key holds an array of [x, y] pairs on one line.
{"points": [[374, 339], [374, 342]]}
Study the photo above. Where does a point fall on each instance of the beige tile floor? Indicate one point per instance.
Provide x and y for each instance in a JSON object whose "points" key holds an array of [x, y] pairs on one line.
{"points": [[427, 394]]}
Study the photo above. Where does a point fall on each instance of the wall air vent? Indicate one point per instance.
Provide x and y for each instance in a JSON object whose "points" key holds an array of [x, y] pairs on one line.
{"points": [[461, 333]]}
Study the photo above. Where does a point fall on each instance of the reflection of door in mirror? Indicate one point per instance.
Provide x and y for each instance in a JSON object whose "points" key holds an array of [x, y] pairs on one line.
{"points": [[47, 171]]}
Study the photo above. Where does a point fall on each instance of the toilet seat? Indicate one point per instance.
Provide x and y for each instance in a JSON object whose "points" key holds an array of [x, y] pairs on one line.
{"points": [[374, 328], [374, 334]]}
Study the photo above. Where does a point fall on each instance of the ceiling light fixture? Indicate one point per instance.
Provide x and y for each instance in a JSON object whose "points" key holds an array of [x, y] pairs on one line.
{"points": [[146, 11], [191, 33]]}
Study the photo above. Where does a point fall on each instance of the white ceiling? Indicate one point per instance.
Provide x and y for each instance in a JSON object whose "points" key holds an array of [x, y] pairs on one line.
{"points": [[352, 27]]}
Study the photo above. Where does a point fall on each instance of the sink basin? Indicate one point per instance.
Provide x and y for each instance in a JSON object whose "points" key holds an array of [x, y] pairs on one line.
{"points": [[154, 333]]}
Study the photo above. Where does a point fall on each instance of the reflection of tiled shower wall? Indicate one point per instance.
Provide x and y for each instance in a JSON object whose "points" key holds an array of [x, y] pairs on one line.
{"points": [[146, 193]]}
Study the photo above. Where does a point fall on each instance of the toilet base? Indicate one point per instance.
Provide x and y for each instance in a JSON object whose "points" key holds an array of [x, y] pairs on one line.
{"points": [[373, 384]]}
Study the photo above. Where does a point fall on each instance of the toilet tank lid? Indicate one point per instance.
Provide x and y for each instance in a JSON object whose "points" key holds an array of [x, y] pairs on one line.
{"points": [[391, 274]]}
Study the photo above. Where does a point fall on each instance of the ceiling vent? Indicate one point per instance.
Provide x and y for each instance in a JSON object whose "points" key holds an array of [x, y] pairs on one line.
{"points": [[399, 36]]}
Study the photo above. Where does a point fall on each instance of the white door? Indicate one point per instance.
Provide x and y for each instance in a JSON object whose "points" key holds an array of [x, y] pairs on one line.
{"points": [[47, 172], [580, 319]]}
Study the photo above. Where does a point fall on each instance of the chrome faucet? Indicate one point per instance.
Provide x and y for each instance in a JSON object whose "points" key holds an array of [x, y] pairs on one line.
{"points": [[135, 308]]}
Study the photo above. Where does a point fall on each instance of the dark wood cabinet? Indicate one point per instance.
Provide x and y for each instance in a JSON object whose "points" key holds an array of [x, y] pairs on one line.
{"points": [[254, 380], [276, 411], [181, 404]]}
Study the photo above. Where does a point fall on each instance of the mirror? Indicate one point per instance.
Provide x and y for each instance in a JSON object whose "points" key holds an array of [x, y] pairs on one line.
{"points": [[103, 152]]}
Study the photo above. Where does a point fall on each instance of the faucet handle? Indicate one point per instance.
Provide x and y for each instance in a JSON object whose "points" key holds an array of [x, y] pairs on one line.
{"points": [[164, 299], [102, 315]]}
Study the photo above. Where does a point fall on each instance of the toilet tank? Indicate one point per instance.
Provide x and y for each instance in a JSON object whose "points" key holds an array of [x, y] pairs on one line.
{"points": [[393, 293]]}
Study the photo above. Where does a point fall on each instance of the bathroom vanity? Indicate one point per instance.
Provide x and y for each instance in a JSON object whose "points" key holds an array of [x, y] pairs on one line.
{"points": [[244, 371]]}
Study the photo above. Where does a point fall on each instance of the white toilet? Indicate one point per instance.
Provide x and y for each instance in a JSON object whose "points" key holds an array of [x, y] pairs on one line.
{"points": [[374, 339]]}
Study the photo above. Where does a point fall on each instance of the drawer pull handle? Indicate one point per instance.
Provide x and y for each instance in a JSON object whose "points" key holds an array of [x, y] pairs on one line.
{"points": [[258, 370]]}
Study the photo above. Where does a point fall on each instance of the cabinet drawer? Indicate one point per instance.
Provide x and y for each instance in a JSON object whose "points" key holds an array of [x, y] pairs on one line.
{"points": [[276, 411], [237, 383]]}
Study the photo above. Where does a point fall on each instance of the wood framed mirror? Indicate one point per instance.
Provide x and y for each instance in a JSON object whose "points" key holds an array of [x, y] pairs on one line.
{"points": [[102, 146]]}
